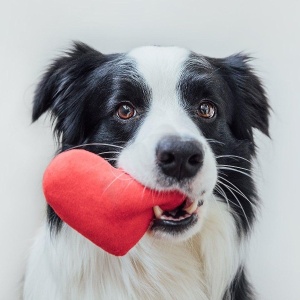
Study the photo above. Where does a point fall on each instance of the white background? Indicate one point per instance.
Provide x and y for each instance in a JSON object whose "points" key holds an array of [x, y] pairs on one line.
{"points": [[33, 32]]}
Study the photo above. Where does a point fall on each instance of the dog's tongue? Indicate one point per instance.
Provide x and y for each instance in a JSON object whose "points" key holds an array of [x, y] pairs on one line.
{"points": [[102, 203]]}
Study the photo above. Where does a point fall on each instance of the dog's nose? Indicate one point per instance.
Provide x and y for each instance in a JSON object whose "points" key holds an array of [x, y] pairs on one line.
{"points": [[179, 158]]}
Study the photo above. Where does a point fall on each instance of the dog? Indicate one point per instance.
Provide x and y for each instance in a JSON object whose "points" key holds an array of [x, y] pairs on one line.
{"points": [[172, 119]]}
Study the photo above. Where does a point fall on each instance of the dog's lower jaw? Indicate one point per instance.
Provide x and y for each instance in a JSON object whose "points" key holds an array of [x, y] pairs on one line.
{"points": [[68, 266]]}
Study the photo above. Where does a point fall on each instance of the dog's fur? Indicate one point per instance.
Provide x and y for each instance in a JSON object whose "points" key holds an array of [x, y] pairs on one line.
{"points": [[83, 90]]}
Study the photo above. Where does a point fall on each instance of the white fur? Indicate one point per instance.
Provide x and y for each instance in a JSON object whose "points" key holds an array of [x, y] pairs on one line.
{"points": [[71, 267], [200, 265]]}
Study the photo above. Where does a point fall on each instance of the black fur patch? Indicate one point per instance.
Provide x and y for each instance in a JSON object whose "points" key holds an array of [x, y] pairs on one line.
{"points": [[241, 106], [82, 90]]}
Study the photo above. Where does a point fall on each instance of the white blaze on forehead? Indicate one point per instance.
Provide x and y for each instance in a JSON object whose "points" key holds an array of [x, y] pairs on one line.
{"points": [[161, 68]]}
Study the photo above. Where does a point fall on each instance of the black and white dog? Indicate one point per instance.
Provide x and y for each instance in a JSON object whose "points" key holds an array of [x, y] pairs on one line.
{"points": [[172, 119]]}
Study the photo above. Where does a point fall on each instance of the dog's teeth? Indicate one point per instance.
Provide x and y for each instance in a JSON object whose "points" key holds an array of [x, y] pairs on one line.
{"points": [[192, 208], [158, 212]]}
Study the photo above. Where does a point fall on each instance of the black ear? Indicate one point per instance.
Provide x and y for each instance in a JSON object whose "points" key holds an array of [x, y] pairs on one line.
{"points": [[250, 101], [60, 90]]}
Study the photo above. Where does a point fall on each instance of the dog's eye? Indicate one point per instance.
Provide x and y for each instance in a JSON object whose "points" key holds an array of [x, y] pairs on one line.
{"points": [[125, 111], [206, 109]]}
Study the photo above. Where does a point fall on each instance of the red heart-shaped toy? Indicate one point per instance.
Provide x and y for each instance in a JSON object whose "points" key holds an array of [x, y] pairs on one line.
{"points": [[103, 203]]}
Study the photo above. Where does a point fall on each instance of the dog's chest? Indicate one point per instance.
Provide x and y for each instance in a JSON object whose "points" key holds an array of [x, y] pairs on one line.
{"points": [[135, 280], [148, 272]]}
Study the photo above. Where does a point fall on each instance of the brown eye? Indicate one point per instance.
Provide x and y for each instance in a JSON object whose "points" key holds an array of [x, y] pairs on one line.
{"points": [[206, 110], [125, 111]]}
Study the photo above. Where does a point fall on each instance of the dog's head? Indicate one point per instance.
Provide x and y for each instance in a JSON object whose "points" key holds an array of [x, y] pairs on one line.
{"points": [[170, 118]]}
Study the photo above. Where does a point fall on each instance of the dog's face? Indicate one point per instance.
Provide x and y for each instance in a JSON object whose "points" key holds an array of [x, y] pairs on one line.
{"points": [[170, 118], [168, 150]]}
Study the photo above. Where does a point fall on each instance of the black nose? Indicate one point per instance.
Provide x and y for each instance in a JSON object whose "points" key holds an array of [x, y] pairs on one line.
{"points": [[179, 158]]}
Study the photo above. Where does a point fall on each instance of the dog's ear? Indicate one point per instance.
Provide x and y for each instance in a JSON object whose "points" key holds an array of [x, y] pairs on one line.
{"points": [[250, 101], [60, 90]]}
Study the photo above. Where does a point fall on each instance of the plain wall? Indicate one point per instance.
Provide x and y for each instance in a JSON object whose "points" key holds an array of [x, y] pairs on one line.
{"points": [[33, 32]]}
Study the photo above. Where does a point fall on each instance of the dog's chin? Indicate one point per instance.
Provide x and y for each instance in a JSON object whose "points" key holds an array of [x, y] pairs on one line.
{"points": [[179, 224], [186, 220]]}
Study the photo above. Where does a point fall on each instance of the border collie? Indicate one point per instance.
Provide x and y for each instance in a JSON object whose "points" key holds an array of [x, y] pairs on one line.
{"points": [[172, 119]]}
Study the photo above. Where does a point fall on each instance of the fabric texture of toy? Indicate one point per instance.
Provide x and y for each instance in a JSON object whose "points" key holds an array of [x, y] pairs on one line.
{"points": [[102, 203]]}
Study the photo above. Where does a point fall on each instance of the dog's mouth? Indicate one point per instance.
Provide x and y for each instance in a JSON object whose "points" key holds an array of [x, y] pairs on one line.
{"points": [[178, 220]]}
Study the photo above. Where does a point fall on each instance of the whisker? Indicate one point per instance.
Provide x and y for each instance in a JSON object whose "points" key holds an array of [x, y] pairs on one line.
{"points": [[110, 159], [113, 181], [234, 157], [235, 170], [131, 180], [109, 152], [240, 205], [236, 189], [235, 167], [222, 192], [226, 198], [215, 141], [95, 144], [222, 173]]}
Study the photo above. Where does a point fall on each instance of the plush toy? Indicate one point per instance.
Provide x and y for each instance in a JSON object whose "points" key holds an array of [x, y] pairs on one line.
{"points": [[102, 203]]}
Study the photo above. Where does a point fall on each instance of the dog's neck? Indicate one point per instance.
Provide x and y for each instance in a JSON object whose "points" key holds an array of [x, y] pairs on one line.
{"points": [[154, 269]]}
